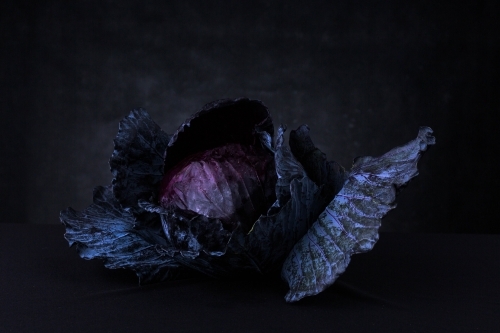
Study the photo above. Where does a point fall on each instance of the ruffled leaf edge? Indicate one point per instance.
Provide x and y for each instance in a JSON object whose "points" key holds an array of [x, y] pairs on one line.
{"points": [[350, 223]]}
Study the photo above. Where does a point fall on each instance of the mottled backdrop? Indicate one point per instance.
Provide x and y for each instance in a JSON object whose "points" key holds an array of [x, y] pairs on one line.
{"points": [[363, 75]]}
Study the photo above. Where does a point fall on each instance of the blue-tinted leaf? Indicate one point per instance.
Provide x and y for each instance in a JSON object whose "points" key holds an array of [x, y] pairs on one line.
{"points": [[287, 169], [322, 172], [106, 231], [230, 261], [272, 237], [192, 234], [350, 223], [299, 203], [137, 161]]}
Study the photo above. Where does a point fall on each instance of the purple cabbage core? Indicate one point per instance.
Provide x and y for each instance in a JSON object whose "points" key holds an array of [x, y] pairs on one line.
{"points": [[233, 182]]}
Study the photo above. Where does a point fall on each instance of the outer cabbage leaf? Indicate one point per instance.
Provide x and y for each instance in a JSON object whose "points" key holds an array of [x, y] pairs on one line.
{"points": [[188, 233], [106, 231], [137, 161], [299, 202], [272, 237], [351, 221]]}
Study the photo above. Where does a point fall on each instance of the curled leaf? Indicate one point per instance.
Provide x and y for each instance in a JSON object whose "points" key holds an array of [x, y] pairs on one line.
{"points": [[350, 222], [300, 200]]}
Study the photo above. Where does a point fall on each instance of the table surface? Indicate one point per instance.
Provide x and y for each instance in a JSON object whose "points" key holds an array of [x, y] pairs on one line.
{"points": [[408, 283]]}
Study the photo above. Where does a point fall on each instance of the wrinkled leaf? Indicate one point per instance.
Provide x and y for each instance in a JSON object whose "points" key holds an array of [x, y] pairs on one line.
{"points": [[137, 161], [299, 202], [274, 236], [187, 233], [106, 231], [195, 233], [350, 223]]}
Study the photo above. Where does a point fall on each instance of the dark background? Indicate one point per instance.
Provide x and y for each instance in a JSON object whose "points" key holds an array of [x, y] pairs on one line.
{"points": [[363, 75]]}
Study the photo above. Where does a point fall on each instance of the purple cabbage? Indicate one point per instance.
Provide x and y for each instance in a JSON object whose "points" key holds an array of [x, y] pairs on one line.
{"points": [[223, 197]]}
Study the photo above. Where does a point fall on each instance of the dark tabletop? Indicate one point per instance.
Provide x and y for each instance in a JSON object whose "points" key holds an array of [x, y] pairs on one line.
{"points": [[408, 283]]}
